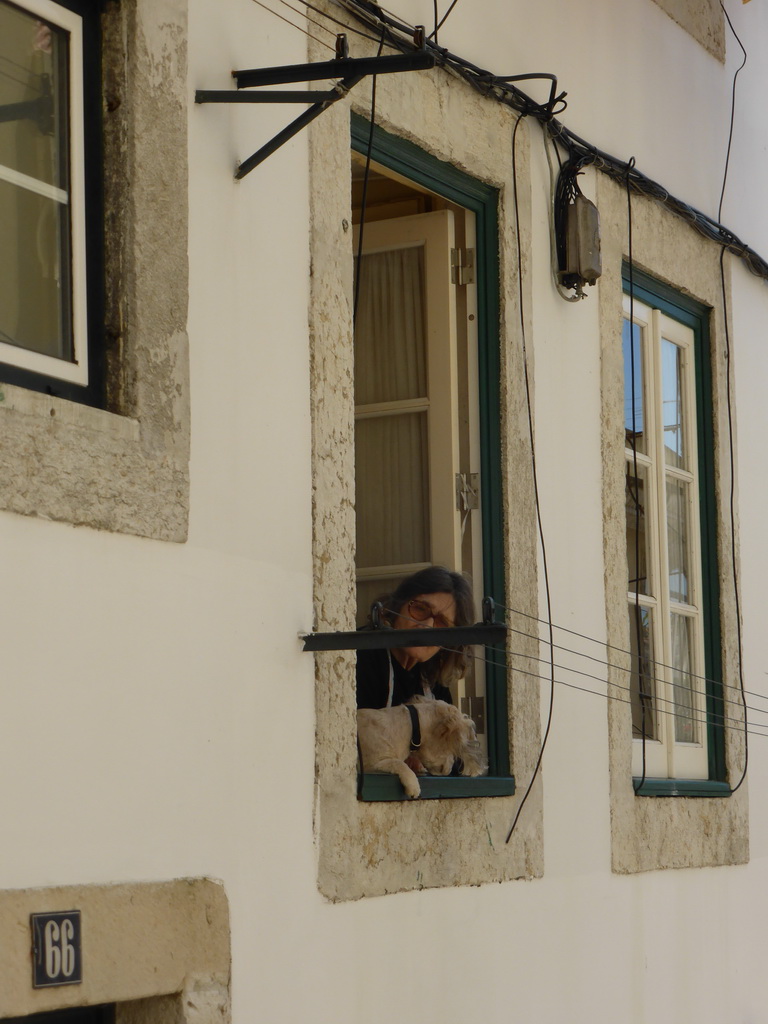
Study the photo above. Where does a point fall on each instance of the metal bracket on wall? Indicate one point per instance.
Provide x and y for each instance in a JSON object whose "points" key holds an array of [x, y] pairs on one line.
{"points": [[349, 71], [382, 636]]}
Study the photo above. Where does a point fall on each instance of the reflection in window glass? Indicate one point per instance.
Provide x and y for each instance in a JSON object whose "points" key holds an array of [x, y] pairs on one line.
{"points": [[634, 387], [683, 683], [35, 270], [677, 540], [672, 403], [642, 678], [638, 562]]}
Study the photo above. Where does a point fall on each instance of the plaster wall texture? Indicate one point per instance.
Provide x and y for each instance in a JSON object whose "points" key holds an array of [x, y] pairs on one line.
{"points": [[162, 719]]}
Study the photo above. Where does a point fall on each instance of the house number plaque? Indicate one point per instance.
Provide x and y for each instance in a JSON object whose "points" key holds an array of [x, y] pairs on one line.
{"points": [[56, 951]]}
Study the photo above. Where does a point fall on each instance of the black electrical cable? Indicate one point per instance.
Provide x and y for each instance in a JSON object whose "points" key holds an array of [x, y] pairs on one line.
{"points": [[729, 406], [364, 200], [293, 25], [529, 406], [734, 566], [443, 20], [733, 111], [682, 715], [337, 21], [635, 493], [312, 21]]}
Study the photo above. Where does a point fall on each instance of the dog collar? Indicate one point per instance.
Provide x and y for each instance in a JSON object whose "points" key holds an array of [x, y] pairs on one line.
{"points": [[415, 727]]}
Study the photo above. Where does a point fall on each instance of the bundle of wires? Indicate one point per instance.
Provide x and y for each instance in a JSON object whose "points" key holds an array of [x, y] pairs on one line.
{"points": [[399, 35]]}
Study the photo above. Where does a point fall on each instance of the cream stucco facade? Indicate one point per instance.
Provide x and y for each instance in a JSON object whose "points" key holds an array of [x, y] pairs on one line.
{"points": [[175, 766]]}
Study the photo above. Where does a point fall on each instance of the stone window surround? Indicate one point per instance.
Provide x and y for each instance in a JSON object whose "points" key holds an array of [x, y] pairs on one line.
{"points": [[125, 468], [159, 950], [649, 833], [703, 21], [368, 849]]}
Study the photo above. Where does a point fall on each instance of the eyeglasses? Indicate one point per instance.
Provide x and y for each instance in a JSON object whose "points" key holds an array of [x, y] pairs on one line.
{"points": [[420, 611]]}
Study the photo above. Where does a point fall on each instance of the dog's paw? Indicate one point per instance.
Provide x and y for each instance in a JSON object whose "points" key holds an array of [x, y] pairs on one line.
{"points": [[412, 787]]}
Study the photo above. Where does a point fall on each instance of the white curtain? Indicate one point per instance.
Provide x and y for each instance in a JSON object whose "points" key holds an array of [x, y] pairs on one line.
{"points": [[391, 466]]}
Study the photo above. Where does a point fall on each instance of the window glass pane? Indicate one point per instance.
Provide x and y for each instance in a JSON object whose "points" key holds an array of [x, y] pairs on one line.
{"points": [[634, 388], [677, 541], [672, 398], [390, 345], [35, 282], [683, 685], [638, 558], [33, 96], [34, 272], [392, 503], [642, 674]]}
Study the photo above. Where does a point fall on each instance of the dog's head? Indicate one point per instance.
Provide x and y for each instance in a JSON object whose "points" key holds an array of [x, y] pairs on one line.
{"points": [[448, 737]]}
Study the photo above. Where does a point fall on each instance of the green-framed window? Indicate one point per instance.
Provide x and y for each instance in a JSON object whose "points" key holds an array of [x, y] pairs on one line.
{"points": [[678, 716], [409, 193]]}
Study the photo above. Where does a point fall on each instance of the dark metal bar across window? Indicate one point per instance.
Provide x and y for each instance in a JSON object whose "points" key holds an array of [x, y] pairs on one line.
{"points": [[486, 633]]}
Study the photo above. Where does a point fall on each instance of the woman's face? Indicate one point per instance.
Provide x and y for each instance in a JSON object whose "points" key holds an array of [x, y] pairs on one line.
{"points": [[424, 611]]}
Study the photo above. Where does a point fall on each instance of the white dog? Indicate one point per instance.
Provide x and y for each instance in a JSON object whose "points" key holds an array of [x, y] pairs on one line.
{"points": [[385, 741]]}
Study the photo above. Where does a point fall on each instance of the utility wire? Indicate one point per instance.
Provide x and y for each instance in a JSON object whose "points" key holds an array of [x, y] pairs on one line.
{"points": [[620, 650], [337, 21], [312, 21], [532, 440], [684, 715], [656, 699], [288, 22], [364, 200], [654, 677], [733, 111], [443, 20], [729, 403]]}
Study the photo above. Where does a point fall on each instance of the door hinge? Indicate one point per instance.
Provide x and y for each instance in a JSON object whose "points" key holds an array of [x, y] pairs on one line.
{"points": [[462, 266], [467, 492]]}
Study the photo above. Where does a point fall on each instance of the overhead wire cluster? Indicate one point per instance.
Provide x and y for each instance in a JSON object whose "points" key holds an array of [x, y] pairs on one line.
{"points": [[502, 88]]}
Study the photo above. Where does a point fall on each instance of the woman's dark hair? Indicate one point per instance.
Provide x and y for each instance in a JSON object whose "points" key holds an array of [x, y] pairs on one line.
{"points": [[447, 665]]}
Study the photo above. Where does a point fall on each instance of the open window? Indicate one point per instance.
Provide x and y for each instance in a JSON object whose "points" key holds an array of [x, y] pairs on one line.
{"points": [[426, 406], [49, 126]]}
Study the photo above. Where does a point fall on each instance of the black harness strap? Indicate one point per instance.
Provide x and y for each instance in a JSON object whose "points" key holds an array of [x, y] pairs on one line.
{"points": [[415, 727]]}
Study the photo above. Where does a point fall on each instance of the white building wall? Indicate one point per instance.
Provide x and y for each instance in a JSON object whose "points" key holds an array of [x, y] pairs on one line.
{"points": [[159, 714]]}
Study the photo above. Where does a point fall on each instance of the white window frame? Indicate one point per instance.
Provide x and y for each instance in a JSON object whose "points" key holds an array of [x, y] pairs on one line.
{"points": [[77, 370], [664, 756]]}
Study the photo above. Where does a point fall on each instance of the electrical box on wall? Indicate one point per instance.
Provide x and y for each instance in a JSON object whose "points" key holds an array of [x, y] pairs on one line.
{"points": [[582, 244]]}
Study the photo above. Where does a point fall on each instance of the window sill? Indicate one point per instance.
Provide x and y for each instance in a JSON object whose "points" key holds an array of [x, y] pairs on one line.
{"points": [[681, 787], [373, 787]]}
